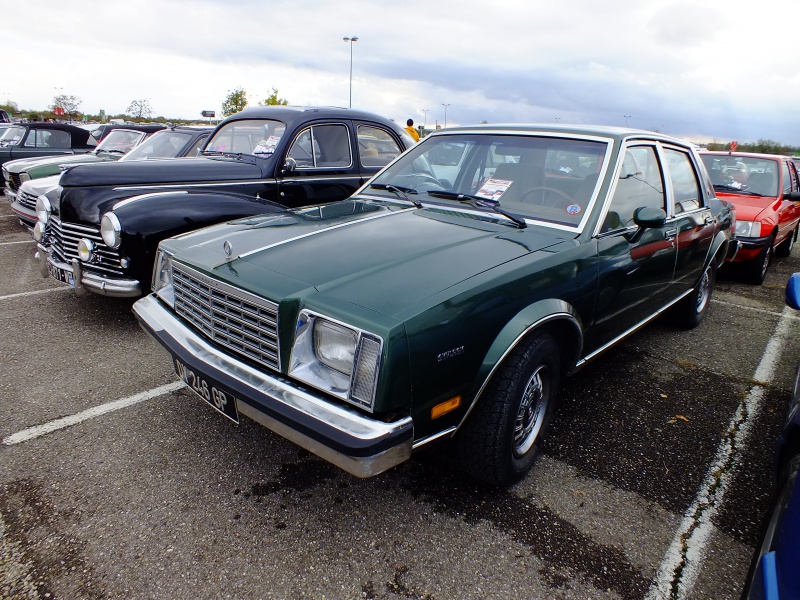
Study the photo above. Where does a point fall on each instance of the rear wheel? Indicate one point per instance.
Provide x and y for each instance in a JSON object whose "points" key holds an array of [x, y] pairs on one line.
{"points": [[785, 247], [756, 270], [689, 312], [500, 441]]}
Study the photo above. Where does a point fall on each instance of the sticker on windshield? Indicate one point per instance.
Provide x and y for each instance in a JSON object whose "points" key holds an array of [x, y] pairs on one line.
{"points": [[267, 146], [574, 209], [493, 189]]}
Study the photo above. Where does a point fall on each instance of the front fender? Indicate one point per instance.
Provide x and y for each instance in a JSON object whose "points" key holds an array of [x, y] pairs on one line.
{"points": [[557, 317], [149, 218]]}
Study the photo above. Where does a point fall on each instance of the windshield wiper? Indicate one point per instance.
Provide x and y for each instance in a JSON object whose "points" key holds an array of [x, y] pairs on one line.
{"points": [[113, 150], [236, 155], [400, 190], [479, 201], [736, 190]]}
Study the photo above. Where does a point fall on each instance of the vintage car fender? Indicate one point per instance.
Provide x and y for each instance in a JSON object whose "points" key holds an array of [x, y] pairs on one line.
{"points": [[551, 314], [147, 219]]}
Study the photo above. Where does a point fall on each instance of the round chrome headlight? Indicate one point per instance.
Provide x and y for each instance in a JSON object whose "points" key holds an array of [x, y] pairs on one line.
{"points": [[110, 230], [85, 250], [38, 231], [43, 209]]}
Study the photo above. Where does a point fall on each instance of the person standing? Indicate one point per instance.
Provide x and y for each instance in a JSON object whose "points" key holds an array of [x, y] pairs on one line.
{"points": [[411, 130]]}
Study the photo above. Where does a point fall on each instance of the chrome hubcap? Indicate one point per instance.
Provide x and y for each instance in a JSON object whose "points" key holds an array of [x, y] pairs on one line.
{"points": [[704, 291], [532, 410]]}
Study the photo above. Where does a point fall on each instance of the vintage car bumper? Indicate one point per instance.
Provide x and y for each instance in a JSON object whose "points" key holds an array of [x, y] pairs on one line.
{"points": [[360, 445], [73, 274], [10, 195], [26, 216]]}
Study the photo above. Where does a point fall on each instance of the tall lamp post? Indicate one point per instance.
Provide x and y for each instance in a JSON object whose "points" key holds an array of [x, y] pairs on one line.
{"points": [[445, 113], [626, 117], [425, 123], [351, 40]]}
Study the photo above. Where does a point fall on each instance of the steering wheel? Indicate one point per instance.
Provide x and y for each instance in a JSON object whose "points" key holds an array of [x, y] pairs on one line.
{"points": [[545, 188]]}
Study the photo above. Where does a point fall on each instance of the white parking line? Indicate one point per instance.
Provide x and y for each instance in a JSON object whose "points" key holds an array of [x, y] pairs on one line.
{"points": [[36, 293], [760, 310], [22, 242], [40, 430], [679, 569]]}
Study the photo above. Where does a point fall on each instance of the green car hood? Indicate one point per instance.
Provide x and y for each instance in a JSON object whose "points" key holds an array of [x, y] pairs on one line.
{"points": [[386, 260], [51, 163]]}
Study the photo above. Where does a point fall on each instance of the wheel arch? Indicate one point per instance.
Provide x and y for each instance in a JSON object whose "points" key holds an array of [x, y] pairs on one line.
{"points": [[553, 316]]}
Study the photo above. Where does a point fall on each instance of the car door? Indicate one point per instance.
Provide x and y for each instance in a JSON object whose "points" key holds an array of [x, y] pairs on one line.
{"points": [[636, 265], [690, 219], [789, 211], [323, 166]]}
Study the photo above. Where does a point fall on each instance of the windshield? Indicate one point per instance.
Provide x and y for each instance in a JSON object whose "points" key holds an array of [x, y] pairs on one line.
{"points": [[11, 136], [737, 174], [549, 179], [164, 144], [120, 141], [259, 137]]}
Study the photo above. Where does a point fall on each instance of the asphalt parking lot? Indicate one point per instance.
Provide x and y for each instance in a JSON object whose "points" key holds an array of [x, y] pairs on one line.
{"points": [[654, 481]]}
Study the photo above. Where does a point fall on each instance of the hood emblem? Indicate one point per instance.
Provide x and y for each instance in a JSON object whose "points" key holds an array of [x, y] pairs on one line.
{"points": [[228, 248]]}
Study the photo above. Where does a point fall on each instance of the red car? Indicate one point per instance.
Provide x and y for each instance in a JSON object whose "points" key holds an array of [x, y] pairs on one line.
{"points": [[765, 190]]}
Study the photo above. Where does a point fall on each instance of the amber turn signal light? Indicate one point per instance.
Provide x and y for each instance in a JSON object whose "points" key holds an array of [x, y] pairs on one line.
{"points": [[445, 407]]}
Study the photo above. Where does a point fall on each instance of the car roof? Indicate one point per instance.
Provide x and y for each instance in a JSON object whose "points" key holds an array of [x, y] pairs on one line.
{"points": [[293, 114], [79, 134], [616, 133]]}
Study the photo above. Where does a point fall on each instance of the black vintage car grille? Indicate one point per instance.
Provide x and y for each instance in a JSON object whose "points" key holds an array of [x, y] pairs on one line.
{"points": [[65, 237], [242, 322], [13, 182], [27, 200]]}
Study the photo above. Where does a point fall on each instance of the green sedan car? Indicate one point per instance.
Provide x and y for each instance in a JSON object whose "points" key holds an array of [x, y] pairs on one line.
{"points": [[448, 298]]}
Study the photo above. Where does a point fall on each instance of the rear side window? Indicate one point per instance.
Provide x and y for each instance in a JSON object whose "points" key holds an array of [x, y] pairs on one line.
{"points": [[322, 146], [376, 146], [685, 185], [43, 138], [787, 178]]}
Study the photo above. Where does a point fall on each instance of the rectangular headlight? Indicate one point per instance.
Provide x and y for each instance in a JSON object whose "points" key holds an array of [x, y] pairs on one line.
{"points": [[748, 228], [336, 358], [335, 346], [162, 277]]}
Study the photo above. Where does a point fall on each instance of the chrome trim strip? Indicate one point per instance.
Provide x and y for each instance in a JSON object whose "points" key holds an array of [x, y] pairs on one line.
{"points": [[279, 396], [87, 280], [132, 199], [317, 232], [639, 325], [218, 184], [433, 438]]}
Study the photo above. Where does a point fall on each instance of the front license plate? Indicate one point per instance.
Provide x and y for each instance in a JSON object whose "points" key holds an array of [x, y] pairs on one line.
{"points": [[208, 389], [60, 274]]}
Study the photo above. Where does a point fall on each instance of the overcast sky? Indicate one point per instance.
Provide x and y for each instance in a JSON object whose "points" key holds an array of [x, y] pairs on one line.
{"points": [[721, 70]]}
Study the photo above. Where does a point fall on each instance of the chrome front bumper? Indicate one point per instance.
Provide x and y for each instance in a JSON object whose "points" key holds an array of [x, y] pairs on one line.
{"points": [[86, 280], [356, 443]]}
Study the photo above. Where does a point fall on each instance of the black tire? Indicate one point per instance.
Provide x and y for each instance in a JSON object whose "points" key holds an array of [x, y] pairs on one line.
{"points": [[755, 271], [784, 249], [500, 441], [690, 311]]}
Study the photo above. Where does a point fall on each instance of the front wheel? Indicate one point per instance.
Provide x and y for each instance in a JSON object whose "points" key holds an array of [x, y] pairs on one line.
{"points": [[755, 271], [500, 441]]}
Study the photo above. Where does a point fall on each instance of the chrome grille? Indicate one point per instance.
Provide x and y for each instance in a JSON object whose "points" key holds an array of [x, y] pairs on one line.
{"points": [[65, 237], [238, 320], [13, 181], [26, 199]]}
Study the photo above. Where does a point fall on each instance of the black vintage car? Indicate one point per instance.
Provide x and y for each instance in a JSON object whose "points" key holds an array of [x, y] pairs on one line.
{"points": [[100, 228], [27, 140]]}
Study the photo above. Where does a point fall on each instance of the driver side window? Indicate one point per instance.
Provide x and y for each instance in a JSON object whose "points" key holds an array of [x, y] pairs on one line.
{"points": [[321, 146], [640, 185]]}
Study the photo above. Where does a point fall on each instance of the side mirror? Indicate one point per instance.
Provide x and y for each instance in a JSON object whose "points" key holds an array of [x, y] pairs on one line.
{"points": [[792, 196], [793, 291], [647, 217], [289, 165]]}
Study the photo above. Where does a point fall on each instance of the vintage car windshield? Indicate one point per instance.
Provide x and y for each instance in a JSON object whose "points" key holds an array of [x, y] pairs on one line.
{"points": [[11, 136], [545, 178], [743, 174], [119, 141], [258, 137], [163, 144]]}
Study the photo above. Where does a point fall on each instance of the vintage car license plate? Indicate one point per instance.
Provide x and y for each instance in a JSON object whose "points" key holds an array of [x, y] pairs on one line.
{"points": [[60, 274], [208, 389]]}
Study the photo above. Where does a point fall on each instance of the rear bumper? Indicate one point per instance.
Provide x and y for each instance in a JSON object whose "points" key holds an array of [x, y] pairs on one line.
{"points": [[356, 443]]}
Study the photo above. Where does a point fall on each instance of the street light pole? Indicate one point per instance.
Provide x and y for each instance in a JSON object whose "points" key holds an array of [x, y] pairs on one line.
{"points": [[351, 40], [626, 117], [425, 123], [445, 113]]}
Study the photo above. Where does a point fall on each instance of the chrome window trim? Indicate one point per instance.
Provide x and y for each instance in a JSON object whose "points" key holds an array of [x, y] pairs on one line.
{"points": [[311, 128]]}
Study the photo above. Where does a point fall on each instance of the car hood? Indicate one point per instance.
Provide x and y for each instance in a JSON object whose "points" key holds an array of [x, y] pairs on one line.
{"points": [[24, 164], [168, 170], [749, 208], [386, 259], [40, 186]]}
